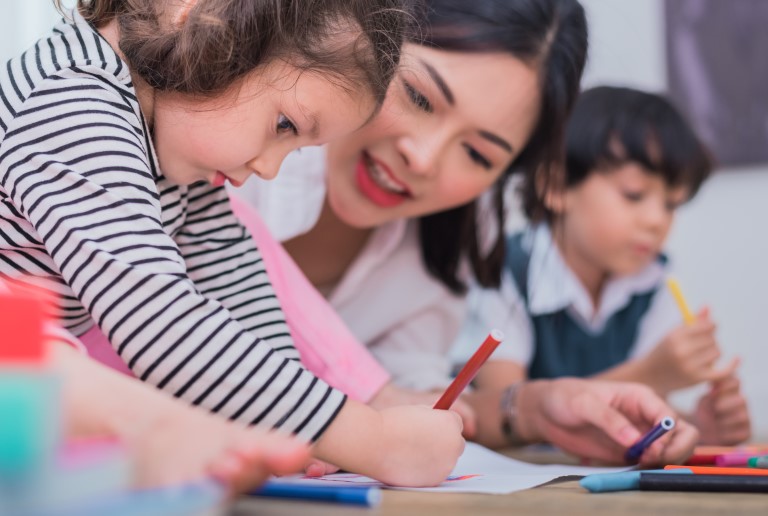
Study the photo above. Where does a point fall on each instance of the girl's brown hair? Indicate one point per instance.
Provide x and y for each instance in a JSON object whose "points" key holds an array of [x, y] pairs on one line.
{"points": [[220, 41]]}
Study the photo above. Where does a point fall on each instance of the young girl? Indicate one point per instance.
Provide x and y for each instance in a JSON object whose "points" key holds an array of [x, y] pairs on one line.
{"points": [[143, 243], [388, 222], [584, 291]]}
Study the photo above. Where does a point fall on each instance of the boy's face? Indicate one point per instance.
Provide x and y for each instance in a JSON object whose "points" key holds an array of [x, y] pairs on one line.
{"points": [[274, 111], [616, 222]]}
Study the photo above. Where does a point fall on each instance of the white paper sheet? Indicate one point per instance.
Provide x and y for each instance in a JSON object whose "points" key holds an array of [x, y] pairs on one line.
{"points": [[479, 470]]}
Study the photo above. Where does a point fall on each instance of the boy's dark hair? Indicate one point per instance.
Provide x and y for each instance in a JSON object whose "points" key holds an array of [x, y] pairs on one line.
{"points": [[611, 126], [551, 35], [221, 41]]}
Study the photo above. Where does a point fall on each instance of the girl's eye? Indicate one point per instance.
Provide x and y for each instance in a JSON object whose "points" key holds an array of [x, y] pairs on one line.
{"points": [[418, 98], [477, 157], [285, 125]]}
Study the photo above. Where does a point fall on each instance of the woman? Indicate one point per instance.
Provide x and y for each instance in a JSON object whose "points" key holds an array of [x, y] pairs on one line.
{"points": [[388, 223]]}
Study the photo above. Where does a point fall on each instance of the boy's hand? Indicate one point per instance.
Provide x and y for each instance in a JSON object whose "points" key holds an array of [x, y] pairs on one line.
{"points": [[721, 415], [686, 357]]}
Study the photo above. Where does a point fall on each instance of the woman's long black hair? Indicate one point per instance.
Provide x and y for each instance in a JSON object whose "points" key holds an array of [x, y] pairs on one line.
{"points": [[548, 34]]}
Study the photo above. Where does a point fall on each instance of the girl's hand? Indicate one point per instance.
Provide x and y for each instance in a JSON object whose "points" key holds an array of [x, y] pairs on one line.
{"points": [[686, 357], [419, 447], [407, 445], [721, 415], [392, 396], [318, 468]]}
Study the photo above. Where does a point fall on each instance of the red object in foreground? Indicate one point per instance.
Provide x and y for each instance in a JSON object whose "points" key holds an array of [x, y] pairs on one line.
{"points": [[21, 320], [469, 370]]}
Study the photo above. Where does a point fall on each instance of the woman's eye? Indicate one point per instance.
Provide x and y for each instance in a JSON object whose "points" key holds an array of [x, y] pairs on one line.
{"points": [[633, 196], [477, 157], [418, 98], [285, 125]]}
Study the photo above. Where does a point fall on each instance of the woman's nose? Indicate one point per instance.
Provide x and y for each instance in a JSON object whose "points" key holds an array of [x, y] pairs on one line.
{"points": [[420, 155]]}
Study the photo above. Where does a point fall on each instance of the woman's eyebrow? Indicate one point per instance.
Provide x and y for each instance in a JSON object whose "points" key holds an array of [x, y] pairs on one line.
{"points": [[448, 94], [441, 84], [498, 140]]}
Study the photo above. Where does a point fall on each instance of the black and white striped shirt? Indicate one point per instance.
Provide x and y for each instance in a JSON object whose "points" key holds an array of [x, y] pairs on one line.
{"points": [[167, 272]]}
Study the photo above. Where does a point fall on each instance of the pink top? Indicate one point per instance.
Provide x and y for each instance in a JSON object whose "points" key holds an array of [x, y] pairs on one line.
{"points": [[325, 343], [327, 347]]}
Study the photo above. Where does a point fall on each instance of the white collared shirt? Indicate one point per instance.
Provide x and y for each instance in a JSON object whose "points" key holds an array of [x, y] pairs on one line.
{"points": [[407, 318], [552, 286]]}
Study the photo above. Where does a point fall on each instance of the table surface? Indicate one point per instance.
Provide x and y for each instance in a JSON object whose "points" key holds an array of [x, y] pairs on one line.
{"points": [[558, 497]]}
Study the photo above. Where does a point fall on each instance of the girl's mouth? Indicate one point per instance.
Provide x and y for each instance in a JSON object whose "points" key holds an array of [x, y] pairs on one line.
{"points": [[219, 179]]}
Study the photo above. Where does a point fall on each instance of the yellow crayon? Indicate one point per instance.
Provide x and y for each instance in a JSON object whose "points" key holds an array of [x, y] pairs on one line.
{"points": [[674, 287]]}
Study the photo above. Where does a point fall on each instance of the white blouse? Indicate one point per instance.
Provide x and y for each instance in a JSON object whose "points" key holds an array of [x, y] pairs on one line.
{"points": [[407, 318]]}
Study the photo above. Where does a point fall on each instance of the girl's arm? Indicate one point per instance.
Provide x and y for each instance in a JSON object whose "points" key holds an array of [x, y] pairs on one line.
{"points": [[169, 442], [95, 209]]}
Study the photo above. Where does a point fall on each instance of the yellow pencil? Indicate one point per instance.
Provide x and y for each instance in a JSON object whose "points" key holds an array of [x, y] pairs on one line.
{"points": [[674, 287]]}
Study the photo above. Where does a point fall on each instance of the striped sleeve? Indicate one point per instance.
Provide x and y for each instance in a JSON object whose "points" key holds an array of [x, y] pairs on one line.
{"points": [[224, 263], [75, 163]]}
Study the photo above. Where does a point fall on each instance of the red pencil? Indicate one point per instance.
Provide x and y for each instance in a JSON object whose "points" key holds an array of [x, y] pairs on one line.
{"points": [[469, 370]]}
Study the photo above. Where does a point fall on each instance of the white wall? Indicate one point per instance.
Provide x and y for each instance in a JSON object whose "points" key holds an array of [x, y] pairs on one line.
{"points": [[719, 244], [22, 23]]}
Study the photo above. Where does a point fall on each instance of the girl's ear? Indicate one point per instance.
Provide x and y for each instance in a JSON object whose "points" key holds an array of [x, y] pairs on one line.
{"points": [[550, 185]]}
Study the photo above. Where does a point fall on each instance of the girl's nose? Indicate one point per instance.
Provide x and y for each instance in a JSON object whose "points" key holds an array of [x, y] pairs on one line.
{"points": [[266, 166]]}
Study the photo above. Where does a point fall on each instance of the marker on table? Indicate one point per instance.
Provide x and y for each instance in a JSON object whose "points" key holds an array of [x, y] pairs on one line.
{"points": [[714, 470], [350, 495], [674, 287], [733, 459], [636, 450], [708, 455], [758, 462], [708, 483], [623, 481], [469, 370]]}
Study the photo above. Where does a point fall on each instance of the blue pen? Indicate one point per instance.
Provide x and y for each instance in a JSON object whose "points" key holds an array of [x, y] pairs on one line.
{"points": [[624, 481], [352, 495], [636, 450]]}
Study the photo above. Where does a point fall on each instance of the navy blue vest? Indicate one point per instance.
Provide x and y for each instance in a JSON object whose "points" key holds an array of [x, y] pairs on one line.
{"points": [[561, 346]]}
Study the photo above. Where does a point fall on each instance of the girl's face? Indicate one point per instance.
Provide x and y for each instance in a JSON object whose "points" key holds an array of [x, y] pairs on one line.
{"points": [[275, 110], [616, 222], [451, 124]]}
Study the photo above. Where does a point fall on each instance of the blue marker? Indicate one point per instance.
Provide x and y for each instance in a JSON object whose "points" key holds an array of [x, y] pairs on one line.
{"points": [[352, 495], [624, 481], [636, 450]]}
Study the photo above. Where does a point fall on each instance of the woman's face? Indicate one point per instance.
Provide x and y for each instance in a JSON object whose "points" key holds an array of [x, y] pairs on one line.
{"points": [[451, 124]]}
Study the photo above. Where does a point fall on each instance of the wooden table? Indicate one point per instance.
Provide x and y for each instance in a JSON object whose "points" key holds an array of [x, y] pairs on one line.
{"points": [[558, 497], [565, 498]]}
